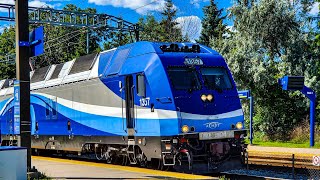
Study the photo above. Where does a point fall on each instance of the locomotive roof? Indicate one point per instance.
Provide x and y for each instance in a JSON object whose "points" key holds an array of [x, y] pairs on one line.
{"points": [[86, 67]]}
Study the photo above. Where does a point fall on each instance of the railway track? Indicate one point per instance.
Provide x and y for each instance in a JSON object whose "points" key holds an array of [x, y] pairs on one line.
{"points": [[279, 165], [295, 161]]}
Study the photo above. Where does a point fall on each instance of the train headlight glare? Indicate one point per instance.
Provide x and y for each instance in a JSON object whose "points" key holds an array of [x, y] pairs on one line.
{"points": [[209, 97], [203, 97], [185, 129], [239, 125]]}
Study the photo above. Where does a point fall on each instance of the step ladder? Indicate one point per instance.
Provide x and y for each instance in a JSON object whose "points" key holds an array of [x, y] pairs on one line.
{"points": [[131, 151]]}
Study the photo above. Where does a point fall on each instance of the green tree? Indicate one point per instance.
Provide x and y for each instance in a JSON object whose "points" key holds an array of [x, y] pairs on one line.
{"points": [[269, 41], [168, 26], [212, 24], [151, 29], [61, 44], [66, 43], [116, 39], [165, 30], [7, 50], [318, 22]]}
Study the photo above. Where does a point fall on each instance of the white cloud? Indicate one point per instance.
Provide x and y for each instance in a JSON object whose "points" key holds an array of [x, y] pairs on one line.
{"points": [[7, 1], [196, 3], [140, 6], [190, 26], [33, 3], [37, 3], [315, 8], [231, 29]]}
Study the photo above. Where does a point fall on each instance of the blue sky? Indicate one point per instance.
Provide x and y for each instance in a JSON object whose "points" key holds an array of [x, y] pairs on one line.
{"points": [[132, 10]]}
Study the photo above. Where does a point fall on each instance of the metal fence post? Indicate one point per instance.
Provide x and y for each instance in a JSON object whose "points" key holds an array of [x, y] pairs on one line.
{"points": [[247, 159], [293, 166]]}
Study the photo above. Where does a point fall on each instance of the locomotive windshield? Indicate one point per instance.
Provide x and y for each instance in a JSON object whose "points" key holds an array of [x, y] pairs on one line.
{"points": [[184, 78], [216, 78]]}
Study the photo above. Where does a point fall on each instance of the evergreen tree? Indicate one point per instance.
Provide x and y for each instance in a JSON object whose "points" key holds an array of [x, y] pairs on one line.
{"points": [[116, 39], [212, 24], [151, 29], [168, 26]]}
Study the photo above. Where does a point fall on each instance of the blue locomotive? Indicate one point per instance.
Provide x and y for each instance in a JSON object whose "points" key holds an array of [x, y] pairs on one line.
{"points": [[171, 104]]}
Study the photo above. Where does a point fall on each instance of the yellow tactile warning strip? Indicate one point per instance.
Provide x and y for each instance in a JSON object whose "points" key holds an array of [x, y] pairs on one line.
{"points": [[127, 168]]}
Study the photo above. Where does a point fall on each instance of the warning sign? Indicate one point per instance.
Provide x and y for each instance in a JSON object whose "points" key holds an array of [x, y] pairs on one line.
{"points": [[316, 160]]}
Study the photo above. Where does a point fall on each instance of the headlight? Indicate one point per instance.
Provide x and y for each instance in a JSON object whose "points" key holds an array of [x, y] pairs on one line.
{"points": [[185, 129], [239, 125], [203, 97], [209, 97]]}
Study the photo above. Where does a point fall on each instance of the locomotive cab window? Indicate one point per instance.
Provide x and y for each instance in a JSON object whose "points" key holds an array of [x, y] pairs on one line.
{"points": [[141, 85], [216, 78], [184, 78]]}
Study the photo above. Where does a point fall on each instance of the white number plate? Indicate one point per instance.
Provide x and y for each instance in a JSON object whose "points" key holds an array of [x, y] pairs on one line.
{"points": [[216, 135]]}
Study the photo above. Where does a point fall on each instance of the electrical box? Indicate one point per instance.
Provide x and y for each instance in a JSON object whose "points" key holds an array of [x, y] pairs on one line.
{"points": [[13, 162], [292, 82]]}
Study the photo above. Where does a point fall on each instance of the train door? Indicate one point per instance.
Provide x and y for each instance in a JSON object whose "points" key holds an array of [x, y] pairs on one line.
{"points": [[130, 116]]}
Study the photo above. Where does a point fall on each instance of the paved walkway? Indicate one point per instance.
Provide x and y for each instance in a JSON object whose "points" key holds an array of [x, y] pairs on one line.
{"points": [[70, 169]]}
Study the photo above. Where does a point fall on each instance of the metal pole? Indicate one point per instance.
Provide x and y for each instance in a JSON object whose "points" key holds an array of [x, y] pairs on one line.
{"points": [[312, 119], [311, 95], [251, 120], [88, 42], [22, 73], [293, 166]]}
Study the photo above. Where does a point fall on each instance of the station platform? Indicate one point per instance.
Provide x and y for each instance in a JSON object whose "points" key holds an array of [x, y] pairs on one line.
{"points": [[74, 169], [307, 152]]}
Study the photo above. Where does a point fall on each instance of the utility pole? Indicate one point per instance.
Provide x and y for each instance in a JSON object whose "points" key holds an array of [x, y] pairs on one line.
{"points": [[23, 73]]}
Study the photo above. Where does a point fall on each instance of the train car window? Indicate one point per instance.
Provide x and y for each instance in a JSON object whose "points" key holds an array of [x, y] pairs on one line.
{"points": [[184, 78], [216, 78], [54, 108], [47, 109], [141, 85], [47, 112], [69, 126]]}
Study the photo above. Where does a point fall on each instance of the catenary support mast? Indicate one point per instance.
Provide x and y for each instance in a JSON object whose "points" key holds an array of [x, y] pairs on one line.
{"points": [[22, 72]]}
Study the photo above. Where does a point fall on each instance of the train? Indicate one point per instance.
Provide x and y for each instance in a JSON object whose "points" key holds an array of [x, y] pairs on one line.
{"points": [[146, 103]]}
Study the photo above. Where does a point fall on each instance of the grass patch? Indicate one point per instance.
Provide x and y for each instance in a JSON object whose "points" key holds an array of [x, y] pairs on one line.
{"points": [[38, 175]]}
